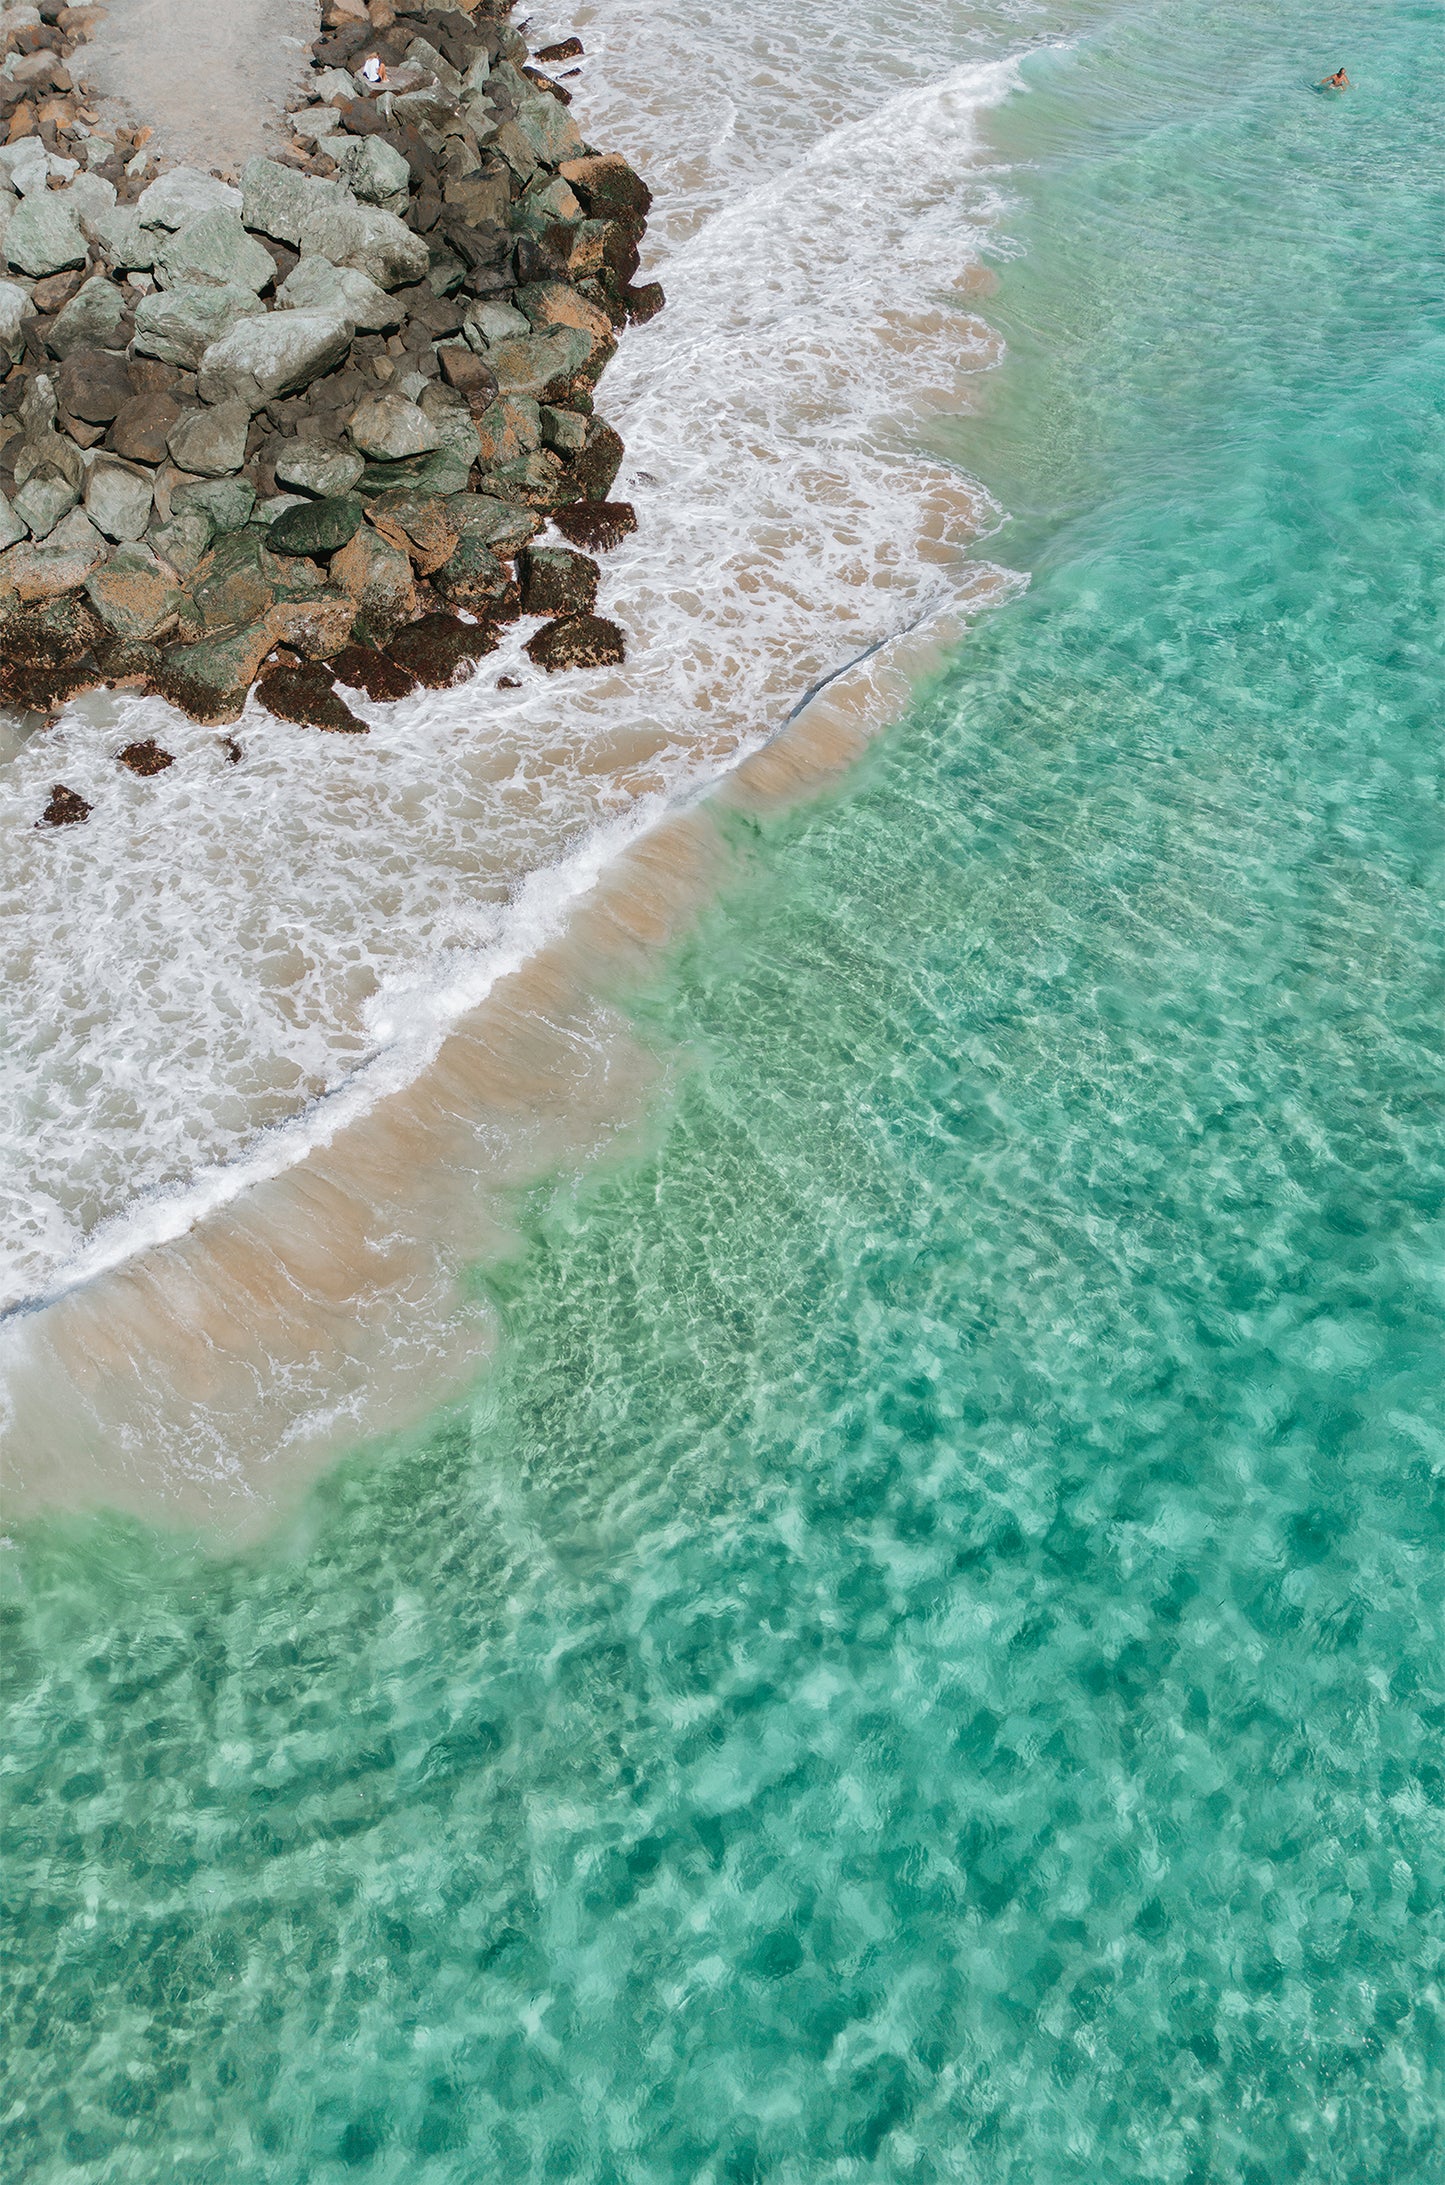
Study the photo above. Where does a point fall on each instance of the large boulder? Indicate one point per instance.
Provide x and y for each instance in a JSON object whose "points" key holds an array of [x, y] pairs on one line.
{"points": [[376, 243], [370, 168], [46, 496], [596, 524], [42, 569], [608, 188], [556, 303], [387, 428], [44, 236], [442, 651], [316, 623], [378, 577], [306, 696], [278, 201], [215, 251], [15, 308], [509, 428], [89, 321], [209, 679], [211, 443], [420, 524], [12, 527], [181, 195], [226, 503], [317, 285], [365, 668], [184, 540], [475, 580], [527, 367], [549, 129], [322, 472], [577, 641], [317, 527], [122, 237], [142, 426], [557, 581], [594, 470], [502, 525], [93, 385], [118, 498], [179, 325], [232, 588], [276, 354], [135, 594]]}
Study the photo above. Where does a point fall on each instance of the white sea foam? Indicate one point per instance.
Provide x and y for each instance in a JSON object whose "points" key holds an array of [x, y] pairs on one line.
{"points": [[227, 963]]}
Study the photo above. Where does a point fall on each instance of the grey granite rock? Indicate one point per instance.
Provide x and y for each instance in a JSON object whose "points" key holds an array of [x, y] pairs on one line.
{"points": [[211, 443], [90, 319], [135, 593], [183, 541], [372, 170], [15, 308], [275, 354], [489, 322], [225, 502], [45, 497], [181, 194], [319, 471], [376, 243], [278, 201], [563, 430], [122, 238], [44, 236], [11, 525], [179, 325], [317, 285], [387, 429], [549, 128], [502, 525], [527, 366], [118, 498], [44, 569], [215, 251]]}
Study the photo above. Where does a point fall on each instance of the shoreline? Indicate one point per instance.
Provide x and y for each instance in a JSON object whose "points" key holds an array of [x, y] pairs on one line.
{"points": [[307, 432]]}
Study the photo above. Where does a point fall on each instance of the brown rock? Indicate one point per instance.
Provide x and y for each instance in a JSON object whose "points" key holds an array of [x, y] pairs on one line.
{"points": [[577, 641], [566, 49], [142, 427], [67, 807], [84, 436], [378, 577], [598, 524], [51, 633], [463, 369], [232, 750], [56, 289], [608, 188], [555, 581], [440, 651], [305, 695], [644, 303], [475, 579], [419, 524], [509, 682], [315, 626], [364, 668], [145, 758], [595, 468]]}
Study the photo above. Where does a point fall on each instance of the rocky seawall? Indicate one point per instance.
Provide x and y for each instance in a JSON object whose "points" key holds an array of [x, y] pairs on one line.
{"points": [[303, 427]]}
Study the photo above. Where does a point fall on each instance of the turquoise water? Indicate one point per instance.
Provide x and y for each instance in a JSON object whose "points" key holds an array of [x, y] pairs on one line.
{"points": [[923, 1660]]}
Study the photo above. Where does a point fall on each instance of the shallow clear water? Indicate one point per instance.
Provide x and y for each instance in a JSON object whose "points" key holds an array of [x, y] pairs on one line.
{"points": [[923, 1658]]}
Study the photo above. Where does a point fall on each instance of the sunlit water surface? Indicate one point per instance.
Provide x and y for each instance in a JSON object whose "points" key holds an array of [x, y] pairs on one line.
{"points": [[922, 1660]]}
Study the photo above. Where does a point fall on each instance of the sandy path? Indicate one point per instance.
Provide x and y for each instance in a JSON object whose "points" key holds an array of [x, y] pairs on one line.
{"points": [[211, 76]]}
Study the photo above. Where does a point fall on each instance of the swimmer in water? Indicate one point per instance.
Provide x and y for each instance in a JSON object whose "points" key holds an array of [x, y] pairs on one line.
{"points": [[1338, 82]]}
